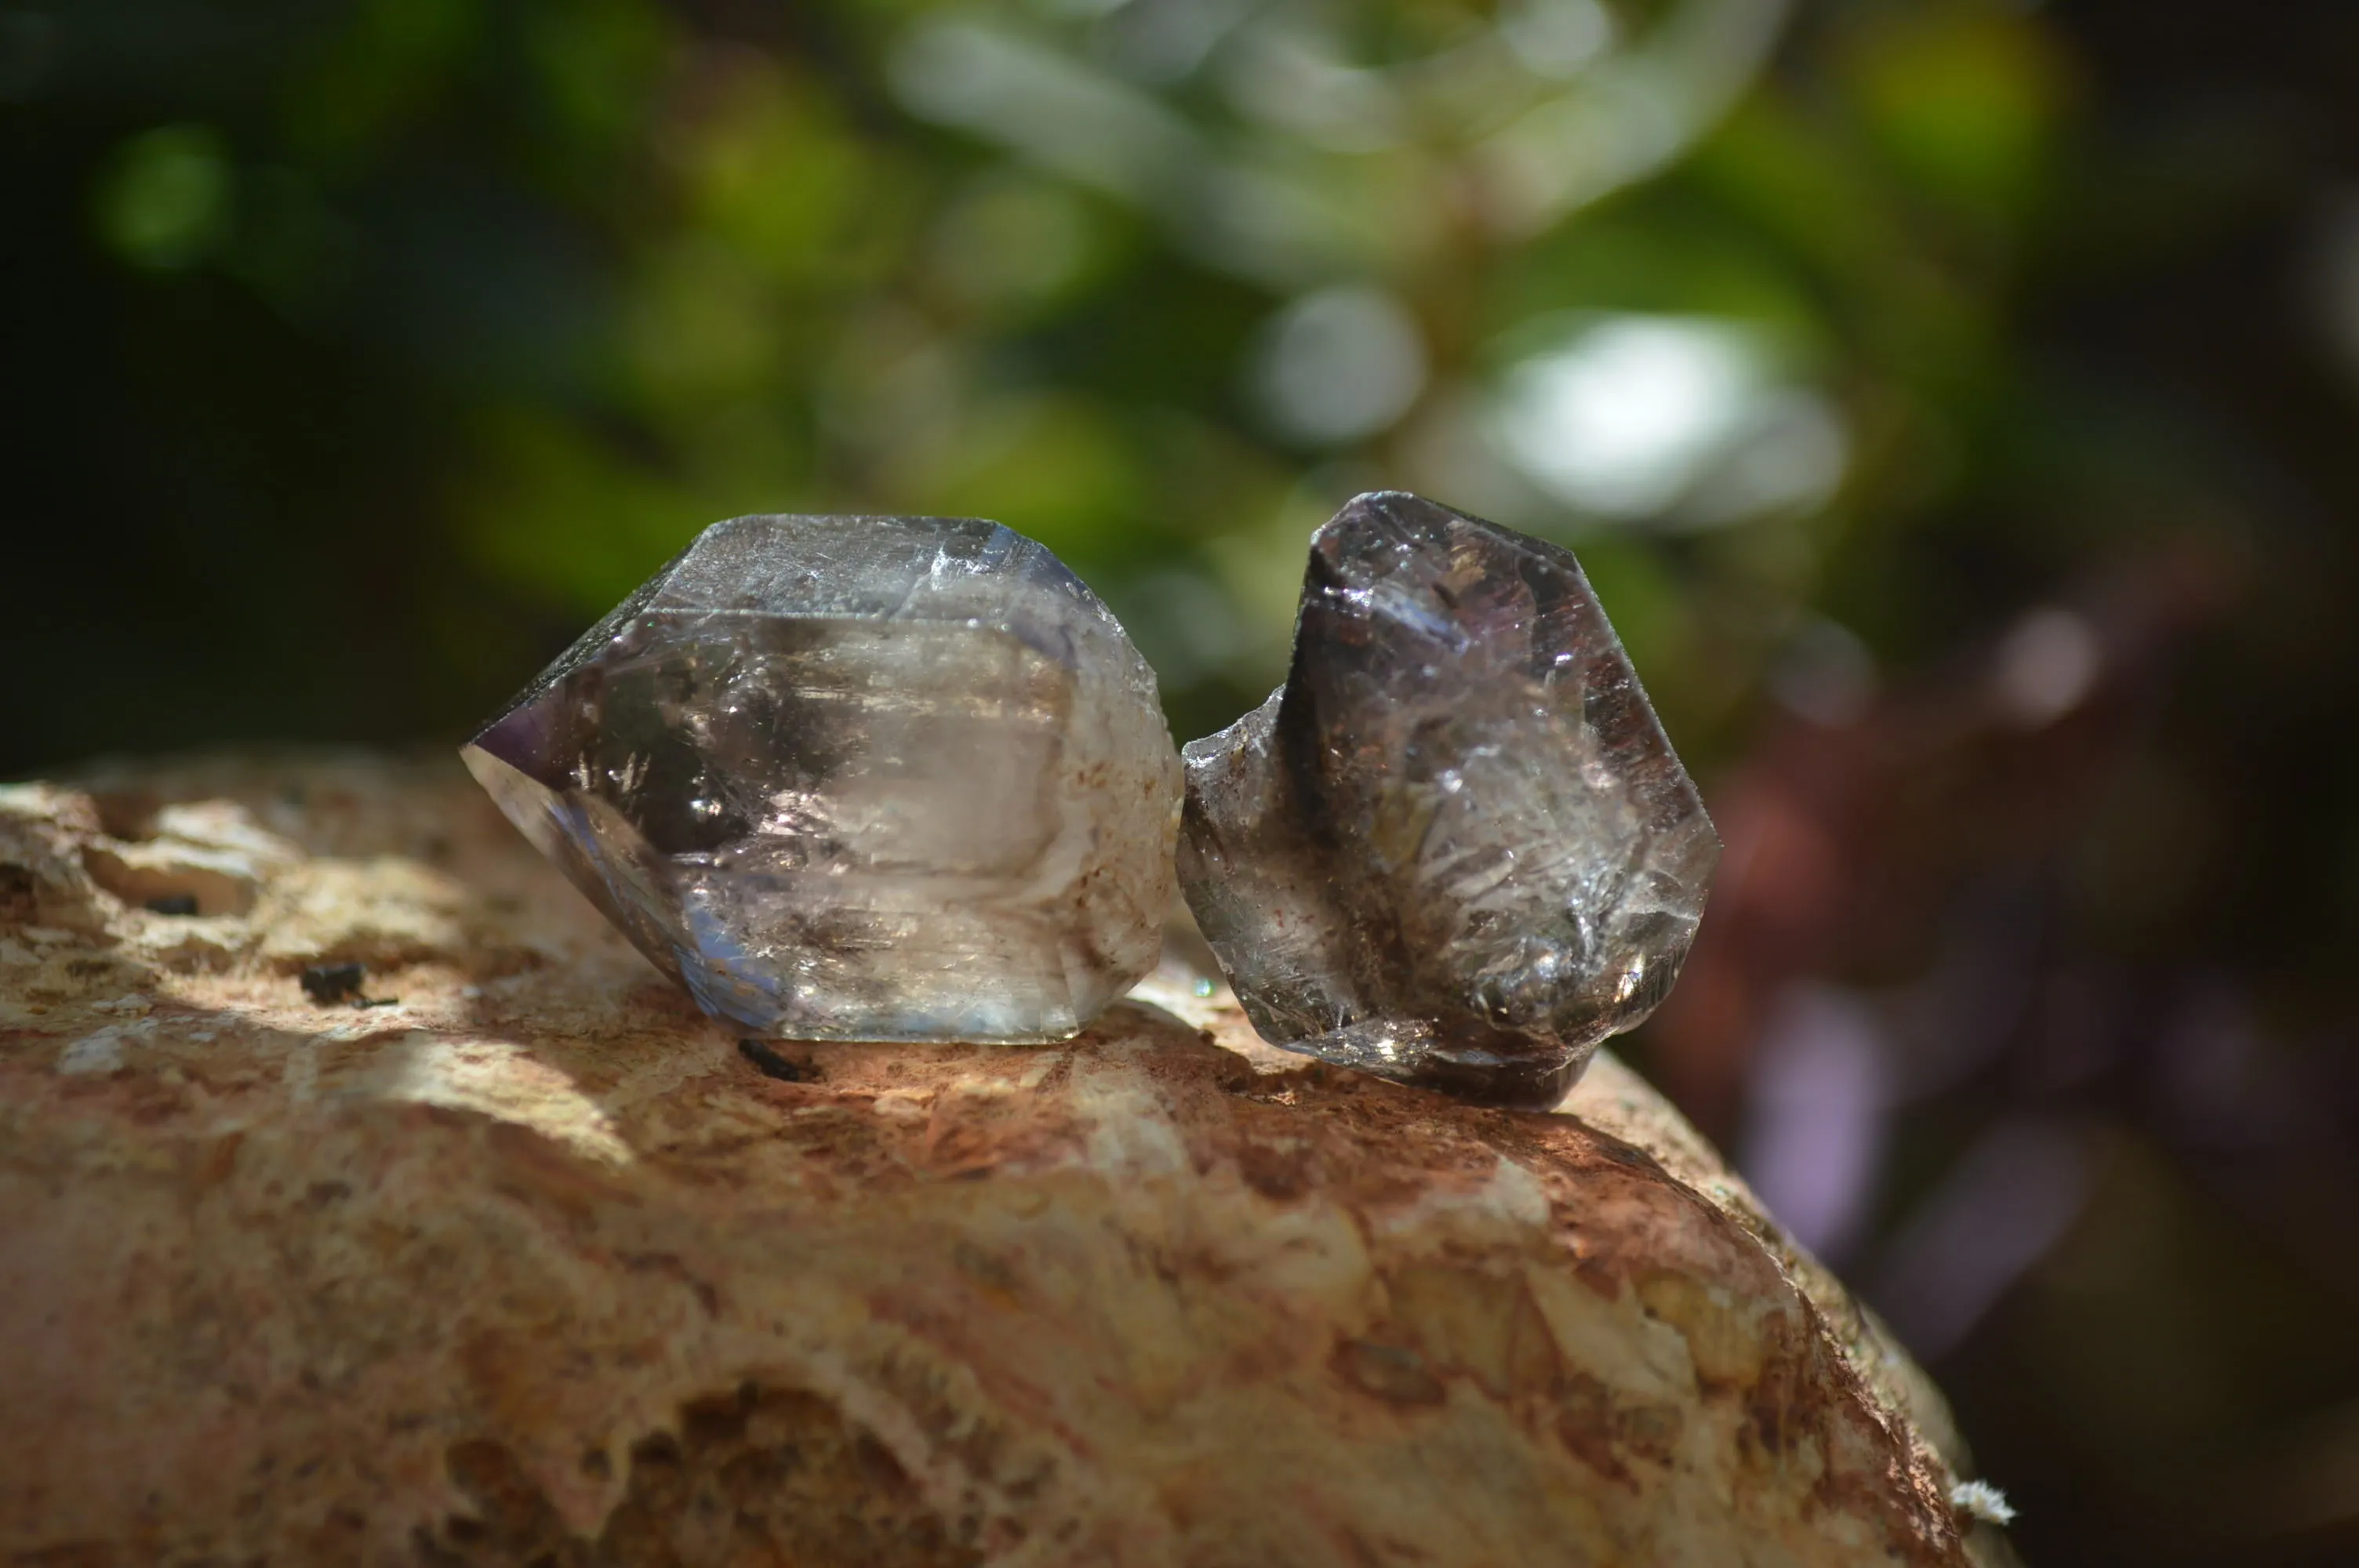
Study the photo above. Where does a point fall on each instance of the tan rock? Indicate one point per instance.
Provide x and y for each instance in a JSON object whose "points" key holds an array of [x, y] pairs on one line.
{"points": [[530, 1264]]}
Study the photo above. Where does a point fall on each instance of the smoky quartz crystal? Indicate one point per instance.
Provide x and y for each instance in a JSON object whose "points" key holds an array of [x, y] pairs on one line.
{"points": [[1455, 848], [859, 778]]}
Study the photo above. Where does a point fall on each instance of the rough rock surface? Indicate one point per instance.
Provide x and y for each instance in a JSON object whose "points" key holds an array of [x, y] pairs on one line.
{"points": [[532, 1264]]}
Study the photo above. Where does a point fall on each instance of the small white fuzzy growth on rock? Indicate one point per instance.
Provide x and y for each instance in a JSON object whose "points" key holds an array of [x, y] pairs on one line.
{"points": [[1980, 1500]]}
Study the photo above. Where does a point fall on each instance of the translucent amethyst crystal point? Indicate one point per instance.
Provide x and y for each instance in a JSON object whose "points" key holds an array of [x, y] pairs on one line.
{"points": [[1455, 847], [859, 778]]}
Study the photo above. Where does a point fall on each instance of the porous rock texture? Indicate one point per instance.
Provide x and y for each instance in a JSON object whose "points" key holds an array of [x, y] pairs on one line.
{"points": [[528, 1263]]}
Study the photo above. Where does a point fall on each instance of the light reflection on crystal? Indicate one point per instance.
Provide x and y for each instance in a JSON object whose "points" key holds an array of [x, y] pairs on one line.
{"points": [[1455, 848], [859, 778]]}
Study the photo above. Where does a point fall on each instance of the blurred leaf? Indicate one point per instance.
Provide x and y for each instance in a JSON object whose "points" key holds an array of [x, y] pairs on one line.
{"points": [[700, 324], [1055, 468], [767, 166], [595, 61], [1009, 248], [1962, 97], [390, 64], [548, 508], [164, 201]]}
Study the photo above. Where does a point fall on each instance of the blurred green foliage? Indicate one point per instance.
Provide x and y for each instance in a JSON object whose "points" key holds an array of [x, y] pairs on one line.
{"points": [[361, 352], [626, 269]]}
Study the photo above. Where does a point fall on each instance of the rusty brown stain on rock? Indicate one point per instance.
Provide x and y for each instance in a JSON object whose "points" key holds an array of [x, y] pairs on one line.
{"points": [[1609, 1431], [20, 900], [1394, 1373], [753, 1478]]}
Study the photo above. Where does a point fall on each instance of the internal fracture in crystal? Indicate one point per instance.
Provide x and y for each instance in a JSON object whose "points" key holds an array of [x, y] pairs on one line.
{"points": [[1455, 848], [859, 778]]}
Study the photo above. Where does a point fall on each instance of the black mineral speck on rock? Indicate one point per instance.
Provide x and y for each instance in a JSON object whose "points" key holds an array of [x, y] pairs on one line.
{"points": [[1455, 848], [774, 1065], [328, 984]]}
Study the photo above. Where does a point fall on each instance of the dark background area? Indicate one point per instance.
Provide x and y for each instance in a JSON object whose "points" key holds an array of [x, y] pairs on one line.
{"points": [[1956, 403]]}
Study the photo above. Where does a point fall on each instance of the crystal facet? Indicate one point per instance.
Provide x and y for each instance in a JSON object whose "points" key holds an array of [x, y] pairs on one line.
{"points": [[1455, 847], [859, 778]]}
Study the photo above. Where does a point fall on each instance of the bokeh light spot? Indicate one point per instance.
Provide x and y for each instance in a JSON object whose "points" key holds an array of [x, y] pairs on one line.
{"points": [[1339, 364], [165, 200]]}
